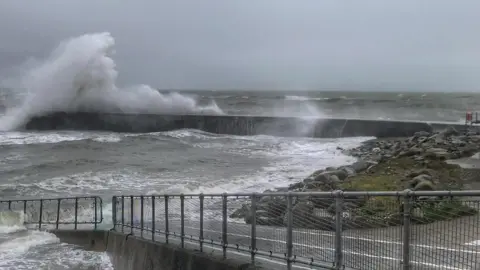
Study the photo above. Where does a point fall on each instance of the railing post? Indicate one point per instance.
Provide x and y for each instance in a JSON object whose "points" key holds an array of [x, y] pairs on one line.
{"points": [[166, 219], [95, 215], [114, 211], [123, 213], [289, 230], [224, 225], [141, 216], [101, 209], [406, 229], [58, 213], [40, 215], [131, 214], [338, 229], [201, 221], [253, 232], [76, 213], [182, 220], [153, 218]]}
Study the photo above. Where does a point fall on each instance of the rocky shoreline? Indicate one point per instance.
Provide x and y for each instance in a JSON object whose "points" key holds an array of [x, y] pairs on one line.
{"points": [[416, 163]]}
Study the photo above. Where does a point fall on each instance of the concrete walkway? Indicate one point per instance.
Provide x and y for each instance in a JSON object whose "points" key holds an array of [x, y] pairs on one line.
{"points": [[440, 245]]}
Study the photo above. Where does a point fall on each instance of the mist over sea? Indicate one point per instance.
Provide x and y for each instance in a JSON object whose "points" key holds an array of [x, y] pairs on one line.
{"points": [[386, 105]]}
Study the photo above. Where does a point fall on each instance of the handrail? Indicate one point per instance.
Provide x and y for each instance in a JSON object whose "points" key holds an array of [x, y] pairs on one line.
{"points": [[284, 226], [58, 211]]}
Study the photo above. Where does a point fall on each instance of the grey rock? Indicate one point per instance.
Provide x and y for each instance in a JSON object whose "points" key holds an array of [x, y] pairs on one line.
{"points": [[359, 166], [422, 177], [348, 170], [411, 152], [421, 134], [437, 153], [321, 203], [468, 150], [450, 131], [296, 186], [340, 174], [274, 205], [421, 182], [241, 212], [323, 182]]}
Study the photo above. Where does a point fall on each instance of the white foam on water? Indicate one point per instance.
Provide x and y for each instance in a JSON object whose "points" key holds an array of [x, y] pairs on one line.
{"points": [[291, 160], [43, 250], [18, 138], [11, 221], [112, 138], [16, 247], [288, 161], [65, 256], [80, 75], [12, 138], [303, 98], [83, 183]]}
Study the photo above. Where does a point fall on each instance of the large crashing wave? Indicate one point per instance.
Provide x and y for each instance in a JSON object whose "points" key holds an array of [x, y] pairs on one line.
{"points": [[80, 75]]}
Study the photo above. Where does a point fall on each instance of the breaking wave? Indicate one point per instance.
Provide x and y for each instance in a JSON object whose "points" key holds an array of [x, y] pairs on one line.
{"points": [[80, 75]]}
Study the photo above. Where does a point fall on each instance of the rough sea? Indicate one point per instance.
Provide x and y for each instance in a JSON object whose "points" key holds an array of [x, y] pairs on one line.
{"points": [[80, 75]]}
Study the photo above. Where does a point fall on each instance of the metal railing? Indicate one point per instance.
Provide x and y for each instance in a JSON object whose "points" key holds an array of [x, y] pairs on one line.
{"points": [[333, 230], [51, 213]]}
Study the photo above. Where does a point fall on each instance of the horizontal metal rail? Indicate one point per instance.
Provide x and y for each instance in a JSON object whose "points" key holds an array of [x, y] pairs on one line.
{"points": [[459, 193]]}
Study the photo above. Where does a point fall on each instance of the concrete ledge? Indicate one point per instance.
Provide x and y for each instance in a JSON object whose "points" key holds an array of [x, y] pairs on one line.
{"points": [[233, 125], [133, 253], [87, 239]]}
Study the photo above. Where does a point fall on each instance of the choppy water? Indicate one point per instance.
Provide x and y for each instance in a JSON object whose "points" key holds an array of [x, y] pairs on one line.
{"points": [[80, 75], [105, 164], [417, 106]]}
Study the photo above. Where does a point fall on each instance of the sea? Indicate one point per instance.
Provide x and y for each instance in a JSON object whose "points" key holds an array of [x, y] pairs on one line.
{"points": [[80, 75]]}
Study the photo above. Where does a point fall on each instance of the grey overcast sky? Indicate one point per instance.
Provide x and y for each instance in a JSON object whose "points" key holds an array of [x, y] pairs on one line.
{"points": [[263, 44]]}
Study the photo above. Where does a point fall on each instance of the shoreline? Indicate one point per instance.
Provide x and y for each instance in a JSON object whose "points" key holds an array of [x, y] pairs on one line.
{"points": [[421, 162]]}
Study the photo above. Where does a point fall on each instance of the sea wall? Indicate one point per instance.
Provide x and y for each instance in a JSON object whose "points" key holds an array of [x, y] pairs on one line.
{"points": [[234, 125], [132, 253]]}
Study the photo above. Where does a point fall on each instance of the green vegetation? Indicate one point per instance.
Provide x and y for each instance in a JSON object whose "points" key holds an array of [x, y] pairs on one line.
{"points": [[395, 174], [399, 174]]}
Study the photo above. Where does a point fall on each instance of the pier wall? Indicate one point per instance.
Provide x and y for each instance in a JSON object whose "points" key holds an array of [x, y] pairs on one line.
{"points": [[234, 125]]}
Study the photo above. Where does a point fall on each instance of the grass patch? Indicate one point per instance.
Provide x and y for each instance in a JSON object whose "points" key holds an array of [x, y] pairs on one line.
{"points": [[393, 175], [447, 209], [388, 211]]}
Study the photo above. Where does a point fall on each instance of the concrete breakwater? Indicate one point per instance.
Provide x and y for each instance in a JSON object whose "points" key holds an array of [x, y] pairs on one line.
{"points": [[128, 252], [233, 125]]}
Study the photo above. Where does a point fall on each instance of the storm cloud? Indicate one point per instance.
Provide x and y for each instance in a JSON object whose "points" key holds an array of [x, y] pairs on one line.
{"points": [[266, 44]]}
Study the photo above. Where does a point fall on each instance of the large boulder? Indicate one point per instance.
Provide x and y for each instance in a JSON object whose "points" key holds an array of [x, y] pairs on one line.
{"points": [[270, 211], [323, 182], [437, 153], [419, 134], [348, 170], [360, 166], [421, 182]]}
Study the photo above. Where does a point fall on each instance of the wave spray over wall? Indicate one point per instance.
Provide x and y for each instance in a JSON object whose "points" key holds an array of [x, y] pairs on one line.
{"points": [[80, 75]]}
